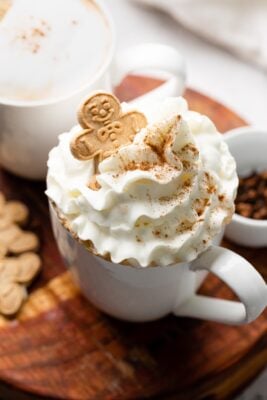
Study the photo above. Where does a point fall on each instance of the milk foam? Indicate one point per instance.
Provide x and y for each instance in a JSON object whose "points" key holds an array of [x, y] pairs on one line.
{"points": [[50, 48]]}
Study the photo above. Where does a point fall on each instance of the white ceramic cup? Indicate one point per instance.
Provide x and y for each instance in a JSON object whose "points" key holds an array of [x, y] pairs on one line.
{"points": [[248, 145], [29, 130], [145, 294]]}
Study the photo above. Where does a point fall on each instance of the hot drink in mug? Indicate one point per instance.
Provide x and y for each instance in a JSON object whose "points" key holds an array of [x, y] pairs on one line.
{"points": [[51, 54]]}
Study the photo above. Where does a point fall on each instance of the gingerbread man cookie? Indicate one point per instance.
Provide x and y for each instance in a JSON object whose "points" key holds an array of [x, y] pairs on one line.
{"points": [[106, 128], [18, 263], [4, 7]]}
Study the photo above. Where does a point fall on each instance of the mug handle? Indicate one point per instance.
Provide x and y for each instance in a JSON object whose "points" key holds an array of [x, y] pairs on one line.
{"points": [[158, 60], [240, 276]]}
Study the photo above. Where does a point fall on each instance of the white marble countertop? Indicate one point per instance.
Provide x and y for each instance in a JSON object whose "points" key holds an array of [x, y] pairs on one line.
{"points": [[211, 70]]}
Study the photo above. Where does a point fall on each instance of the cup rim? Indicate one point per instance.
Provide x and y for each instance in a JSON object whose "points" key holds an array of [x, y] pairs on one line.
{"points": [[54, 100], [248, 130], [236, 134], [259, 223]]}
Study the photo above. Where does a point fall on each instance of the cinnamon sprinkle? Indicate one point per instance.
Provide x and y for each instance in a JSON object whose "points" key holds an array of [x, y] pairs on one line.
{"points": [[32, 37]]}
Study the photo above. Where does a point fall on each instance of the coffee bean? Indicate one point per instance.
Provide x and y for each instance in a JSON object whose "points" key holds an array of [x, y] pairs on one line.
{"points": [[244, 209], [251, 181], [263, 175], [260, 214], [251, 200]]}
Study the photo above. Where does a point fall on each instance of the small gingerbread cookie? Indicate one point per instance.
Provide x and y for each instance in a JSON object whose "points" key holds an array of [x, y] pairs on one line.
{"points": [[106, 128], [4, 7], [5, 221], [25, 241], [9, 269], [12, 296], [16, 211], [29, 265], [18, 271], [2, 202], [3, 250], [9, 234]]}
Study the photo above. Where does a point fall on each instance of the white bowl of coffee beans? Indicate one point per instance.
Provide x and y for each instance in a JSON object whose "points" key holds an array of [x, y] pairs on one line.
{"points": [[248, 145]]}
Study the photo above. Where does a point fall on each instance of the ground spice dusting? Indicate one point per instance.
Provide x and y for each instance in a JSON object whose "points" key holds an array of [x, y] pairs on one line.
{"points": [[159, 152], [211, 186], [186, 164], [200, 205], [32, 37], [190, 148], [184, 226], [187, 183], [157, 143], [36, 48], [143, 166], [165, 199], [38, 32]]}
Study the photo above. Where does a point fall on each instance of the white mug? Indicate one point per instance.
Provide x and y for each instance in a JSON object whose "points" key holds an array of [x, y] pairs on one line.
{"points": [[248, 146], [29, 130], [145, 294]]}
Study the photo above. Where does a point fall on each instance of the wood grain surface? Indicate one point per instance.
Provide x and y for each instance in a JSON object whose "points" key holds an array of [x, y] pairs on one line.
{"points": [[61, 347]]}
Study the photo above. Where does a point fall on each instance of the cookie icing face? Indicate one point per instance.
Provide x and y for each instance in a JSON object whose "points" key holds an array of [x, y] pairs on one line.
{"points": [[99, 109]]}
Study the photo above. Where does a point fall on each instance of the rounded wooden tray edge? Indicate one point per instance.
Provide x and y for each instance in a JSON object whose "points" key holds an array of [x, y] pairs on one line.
{"points": [[148, 360]]}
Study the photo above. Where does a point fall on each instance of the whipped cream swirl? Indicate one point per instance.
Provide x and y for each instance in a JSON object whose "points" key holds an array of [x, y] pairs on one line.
{"points": [[163, 198]]}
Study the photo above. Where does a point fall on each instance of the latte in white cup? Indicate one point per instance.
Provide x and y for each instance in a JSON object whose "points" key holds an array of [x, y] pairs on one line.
{"points": [[52, 54], [49, 49]]}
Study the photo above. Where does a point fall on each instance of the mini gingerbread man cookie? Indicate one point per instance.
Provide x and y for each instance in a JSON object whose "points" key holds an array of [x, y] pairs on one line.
{"points": [[16, 211], [106, 128], [12, 296], [18, 264], [4, 7]]}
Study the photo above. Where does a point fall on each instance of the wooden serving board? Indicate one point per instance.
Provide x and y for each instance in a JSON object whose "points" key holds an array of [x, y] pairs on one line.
{"points": [[61, 347]]}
